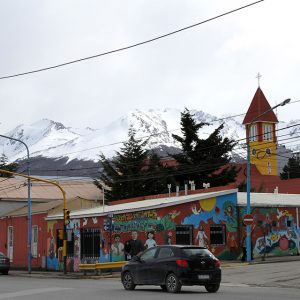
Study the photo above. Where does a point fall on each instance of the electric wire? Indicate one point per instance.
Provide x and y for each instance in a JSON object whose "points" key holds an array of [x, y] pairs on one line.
{"points": [[130, 46]]}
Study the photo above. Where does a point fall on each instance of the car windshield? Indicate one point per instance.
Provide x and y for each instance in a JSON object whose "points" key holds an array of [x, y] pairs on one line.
{"points": [[197, 252]]}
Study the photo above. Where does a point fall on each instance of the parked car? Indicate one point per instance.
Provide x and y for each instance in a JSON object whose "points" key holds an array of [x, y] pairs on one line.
{"points": [[4, 264], [172, 266]]}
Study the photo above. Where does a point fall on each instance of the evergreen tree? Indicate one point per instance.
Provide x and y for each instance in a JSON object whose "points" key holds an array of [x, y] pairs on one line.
{"points": [[4, 165], [133, 172], [291, 169], [203, 160]]}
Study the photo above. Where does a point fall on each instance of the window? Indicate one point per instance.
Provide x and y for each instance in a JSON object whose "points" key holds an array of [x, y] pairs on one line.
{"points": [[184, 235], [217, 234], [34, 241], [267, 132], [90, 242], [253, 133], [148, 255], [165, 252], [196, 251], [269, 167]]}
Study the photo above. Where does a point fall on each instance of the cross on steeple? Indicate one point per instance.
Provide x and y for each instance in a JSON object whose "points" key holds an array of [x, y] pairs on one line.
{"points": [[258, 78]]}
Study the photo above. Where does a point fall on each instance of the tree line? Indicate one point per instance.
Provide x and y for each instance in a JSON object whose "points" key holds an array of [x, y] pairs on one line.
{"points": [[136, 171]]}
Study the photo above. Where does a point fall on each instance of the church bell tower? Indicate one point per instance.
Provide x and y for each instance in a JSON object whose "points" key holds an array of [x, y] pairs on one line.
{"points": [[261, 134]]}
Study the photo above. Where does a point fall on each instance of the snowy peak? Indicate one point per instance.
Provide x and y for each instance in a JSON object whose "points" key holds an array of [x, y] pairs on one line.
{"points": [[52, 139]]}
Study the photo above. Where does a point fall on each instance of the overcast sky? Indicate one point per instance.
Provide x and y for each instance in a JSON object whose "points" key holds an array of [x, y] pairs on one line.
{"points": [[212, 67]]}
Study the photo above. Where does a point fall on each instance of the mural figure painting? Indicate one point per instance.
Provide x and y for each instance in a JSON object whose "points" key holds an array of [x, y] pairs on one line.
{"points": [[134, 246], [201, 237], [150, 242], [117, 248]]}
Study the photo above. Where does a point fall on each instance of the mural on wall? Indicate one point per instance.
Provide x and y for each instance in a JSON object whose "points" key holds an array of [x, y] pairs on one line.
{"points": [[75, 226], [274, 232], [118, 229], [215, 211], [52, 261]]}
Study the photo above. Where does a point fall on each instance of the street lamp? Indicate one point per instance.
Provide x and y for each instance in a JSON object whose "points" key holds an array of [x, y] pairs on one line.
{"points": [[248, 229], [28, 201]]}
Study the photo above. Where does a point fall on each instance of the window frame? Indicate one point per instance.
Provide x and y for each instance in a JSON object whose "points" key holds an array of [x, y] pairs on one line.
{"points": [[267, 132], [213, 231], [252, 133]]}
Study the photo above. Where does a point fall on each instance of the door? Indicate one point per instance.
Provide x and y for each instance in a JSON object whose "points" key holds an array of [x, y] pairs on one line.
{"points": [[143, 269], [34, 241], [162, 264], [10, 242]]}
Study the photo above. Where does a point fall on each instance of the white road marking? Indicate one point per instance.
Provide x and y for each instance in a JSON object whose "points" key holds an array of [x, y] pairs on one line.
{"points": [[235, 284], [31, 292]]}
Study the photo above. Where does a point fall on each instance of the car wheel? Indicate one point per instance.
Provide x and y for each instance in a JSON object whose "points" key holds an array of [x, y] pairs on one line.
{"points": [[127, 281], [173, 284], [212, 288]]}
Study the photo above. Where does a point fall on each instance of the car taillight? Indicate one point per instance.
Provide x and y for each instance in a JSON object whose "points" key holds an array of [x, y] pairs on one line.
{"points": [[182, 263], [217, 263]]}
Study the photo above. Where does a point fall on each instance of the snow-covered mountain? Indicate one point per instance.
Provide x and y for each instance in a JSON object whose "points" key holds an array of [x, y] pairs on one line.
{"points": [[51, 139]]}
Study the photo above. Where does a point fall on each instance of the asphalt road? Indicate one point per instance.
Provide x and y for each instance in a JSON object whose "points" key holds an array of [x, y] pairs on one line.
{"points": [[265, 281]]}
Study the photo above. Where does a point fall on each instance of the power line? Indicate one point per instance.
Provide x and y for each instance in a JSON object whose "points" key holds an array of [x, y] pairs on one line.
{"points": [[237, 147], [130, 46]]}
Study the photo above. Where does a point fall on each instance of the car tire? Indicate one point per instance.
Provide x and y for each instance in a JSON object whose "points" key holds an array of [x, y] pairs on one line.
{"points": [[212, 288], [127, 281], [173, 284]]}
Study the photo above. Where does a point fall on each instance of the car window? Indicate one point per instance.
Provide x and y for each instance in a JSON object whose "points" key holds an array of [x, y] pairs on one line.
{"points": [[149, 254], [165, 252], [197, 252]]}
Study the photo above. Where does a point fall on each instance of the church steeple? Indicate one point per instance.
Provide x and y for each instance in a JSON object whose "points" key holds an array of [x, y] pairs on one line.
{"points": [[258, 106], [261, 134]]}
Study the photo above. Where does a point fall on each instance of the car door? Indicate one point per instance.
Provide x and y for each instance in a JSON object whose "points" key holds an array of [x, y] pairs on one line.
{"points": [[161, 265], [142, 271]]}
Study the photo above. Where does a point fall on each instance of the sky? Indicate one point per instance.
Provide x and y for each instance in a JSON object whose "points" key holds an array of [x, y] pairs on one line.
{"points": [[211, 67]]}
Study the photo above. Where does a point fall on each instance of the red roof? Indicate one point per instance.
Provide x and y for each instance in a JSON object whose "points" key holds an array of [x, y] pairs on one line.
{"points": [[267, 183], [258, 106]]}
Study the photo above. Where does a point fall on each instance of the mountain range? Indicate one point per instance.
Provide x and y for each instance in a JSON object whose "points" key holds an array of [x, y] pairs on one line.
{"points": [[55, 146]]}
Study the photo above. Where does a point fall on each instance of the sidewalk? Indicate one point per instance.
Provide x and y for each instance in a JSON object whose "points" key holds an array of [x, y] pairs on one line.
{"points": [[79, 275]]}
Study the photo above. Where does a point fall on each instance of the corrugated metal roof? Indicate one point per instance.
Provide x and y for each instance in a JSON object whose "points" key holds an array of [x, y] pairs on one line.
{"points": [[142, 205], [13, 188], [256, 199]]}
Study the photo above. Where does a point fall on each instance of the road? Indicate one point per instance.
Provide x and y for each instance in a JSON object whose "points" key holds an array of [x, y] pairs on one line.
{"points": [[264, 281]]}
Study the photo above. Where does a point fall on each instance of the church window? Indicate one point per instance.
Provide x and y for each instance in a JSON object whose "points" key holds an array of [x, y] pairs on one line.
{"points": [[267, 132], [253, 133]]}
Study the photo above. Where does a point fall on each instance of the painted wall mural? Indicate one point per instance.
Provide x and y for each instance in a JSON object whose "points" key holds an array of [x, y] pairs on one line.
{"points": [[213, 222], [52, 260], [274, 232], [219, 210]]}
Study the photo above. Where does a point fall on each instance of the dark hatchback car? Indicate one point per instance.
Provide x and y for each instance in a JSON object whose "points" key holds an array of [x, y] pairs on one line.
{"points": [[4, 264], [170, 267]]}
